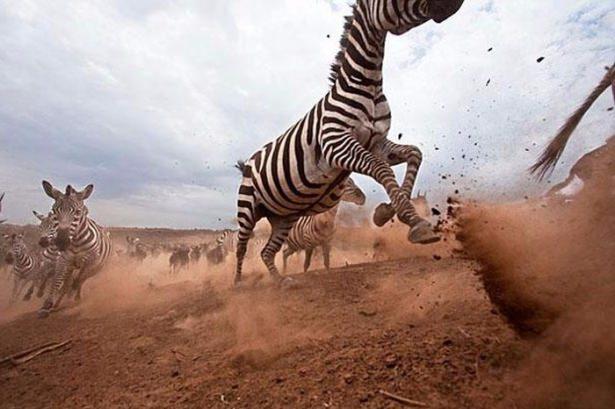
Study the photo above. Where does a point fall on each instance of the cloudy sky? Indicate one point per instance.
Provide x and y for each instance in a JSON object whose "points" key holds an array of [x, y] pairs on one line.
{"points": [[153, 100]]}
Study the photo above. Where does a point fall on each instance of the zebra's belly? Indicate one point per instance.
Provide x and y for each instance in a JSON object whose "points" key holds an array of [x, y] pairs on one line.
{"points": [[315, 191]]}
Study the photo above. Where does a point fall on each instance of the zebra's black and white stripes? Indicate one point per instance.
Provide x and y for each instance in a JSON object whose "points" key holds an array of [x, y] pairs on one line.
{"points": [[25, 265], [302, 172], [311, 232], [83, 246]]}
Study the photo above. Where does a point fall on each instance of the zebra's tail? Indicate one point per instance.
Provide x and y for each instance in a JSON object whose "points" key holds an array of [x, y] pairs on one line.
{"points": [[549, 157], [243, 168]]}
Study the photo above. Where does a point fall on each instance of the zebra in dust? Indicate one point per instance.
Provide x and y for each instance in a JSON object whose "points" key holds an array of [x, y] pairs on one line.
{"points": [[26, 266], [84, 247], [179, 259], [49, 252], [302, 172], [549, 157], [227, 243], [136, 249], [315, 231]]}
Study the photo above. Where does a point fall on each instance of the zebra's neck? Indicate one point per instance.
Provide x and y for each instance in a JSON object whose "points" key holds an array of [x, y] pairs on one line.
{"points": [[358, 65]]}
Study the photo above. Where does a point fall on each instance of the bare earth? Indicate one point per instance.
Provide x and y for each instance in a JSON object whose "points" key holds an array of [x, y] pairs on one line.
{"points": [[419, 328]]}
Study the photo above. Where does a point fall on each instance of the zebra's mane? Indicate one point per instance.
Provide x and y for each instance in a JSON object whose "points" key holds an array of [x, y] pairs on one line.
{"points": [[338, 61]]}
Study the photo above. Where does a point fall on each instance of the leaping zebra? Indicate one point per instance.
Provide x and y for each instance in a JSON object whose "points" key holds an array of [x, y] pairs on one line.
{"points": [[315, 231], [302, 172], [83, 245]]}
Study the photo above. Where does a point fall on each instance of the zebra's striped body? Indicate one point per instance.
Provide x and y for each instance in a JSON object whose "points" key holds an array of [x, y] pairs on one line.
{"points": [[302, 172], [315, 231], [26, 266], [84, 247], [49, 252]]}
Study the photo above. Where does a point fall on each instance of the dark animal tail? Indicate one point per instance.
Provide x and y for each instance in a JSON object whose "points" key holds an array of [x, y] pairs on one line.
{"points": [[549, 157]]}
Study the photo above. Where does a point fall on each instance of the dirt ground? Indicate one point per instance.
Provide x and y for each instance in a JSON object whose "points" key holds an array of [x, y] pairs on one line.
{"points": [[418, 327], [518, 313]]}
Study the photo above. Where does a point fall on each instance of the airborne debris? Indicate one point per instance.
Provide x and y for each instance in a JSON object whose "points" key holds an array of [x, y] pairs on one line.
{"points": [[540, 59]]}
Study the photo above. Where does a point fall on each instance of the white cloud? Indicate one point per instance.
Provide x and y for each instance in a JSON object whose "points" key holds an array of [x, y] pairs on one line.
{"points": [[154, 100]]}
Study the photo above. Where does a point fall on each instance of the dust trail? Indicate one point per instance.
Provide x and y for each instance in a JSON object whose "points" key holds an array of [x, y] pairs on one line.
{"points": [[549, 266]]}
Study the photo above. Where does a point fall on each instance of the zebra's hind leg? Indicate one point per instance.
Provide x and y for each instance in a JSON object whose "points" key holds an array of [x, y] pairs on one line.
{"points": [[247, 216], [395, 154], [286, 254], [280, 228], [355, 158], [28, 295]]}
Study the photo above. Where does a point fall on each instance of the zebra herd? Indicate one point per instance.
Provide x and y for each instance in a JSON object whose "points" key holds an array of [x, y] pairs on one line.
{"points": [[71, 249], [296, 182]]}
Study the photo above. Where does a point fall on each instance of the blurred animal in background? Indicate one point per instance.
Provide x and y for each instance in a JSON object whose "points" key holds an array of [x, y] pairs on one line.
{"points": [[179, 259], [1, 197], [549, 157], [136, 250], [315, 231], [25, 266], [195, 254]]}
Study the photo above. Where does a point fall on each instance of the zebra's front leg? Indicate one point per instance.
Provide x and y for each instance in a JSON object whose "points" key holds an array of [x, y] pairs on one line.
{"points": [[343, 151], [326, 255], [395, 154], [286, 254], [280, 228], [57, 286]]}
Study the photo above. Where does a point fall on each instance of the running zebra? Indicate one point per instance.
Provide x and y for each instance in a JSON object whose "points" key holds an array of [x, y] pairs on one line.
{"points": [[49, 252], [315, 231], [302, 172], [83, 245], [25, 266]]}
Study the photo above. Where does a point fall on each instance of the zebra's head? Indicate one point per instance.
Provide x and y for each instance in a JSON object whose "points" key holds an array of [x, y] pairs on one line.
{"points": [[16, 246], [399, 16], [45, 227], [353, 193], [67, 213]]}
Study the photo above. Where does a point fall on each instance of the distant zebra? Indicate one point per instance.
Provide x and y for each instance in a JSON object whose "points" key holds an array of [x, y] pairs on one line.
{"points": [[195, 254], [315, 231], [302, 172], [1, 197], [549, 157], [25, 265], [227, 243], [179, 259], [83, 245], [136, 249]]}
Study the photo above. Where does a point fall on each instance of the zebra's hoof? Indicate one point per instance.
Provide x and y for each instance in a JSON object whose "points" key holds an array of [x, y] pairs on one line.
{"points": [[43, 313], [383, 214], [423, 233], [239, 285], [288, 283]]}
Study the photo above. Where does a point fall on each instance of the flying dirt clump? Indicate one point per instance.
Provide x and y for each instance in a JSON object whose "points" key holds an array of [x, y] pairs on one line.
{"points": [[548, 265]]}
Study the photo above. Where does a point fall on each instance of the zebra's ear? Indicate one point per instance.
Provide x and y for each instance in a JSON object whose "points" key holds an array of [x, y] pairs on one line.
{"points": [[51, 191], [85, 193], [38, 215]]}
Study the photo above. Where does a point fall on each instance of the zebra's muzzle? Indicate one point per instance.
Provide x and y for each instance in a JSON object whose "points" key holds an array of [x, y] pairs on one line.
{"points": [[9, 259], [440, 10], [62, 240], [44, 242]]}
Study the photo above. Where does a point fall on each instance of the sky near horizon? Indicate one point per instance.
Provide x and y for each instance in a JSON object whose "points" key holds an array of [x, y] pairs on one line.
{"points": [[154, 100]]}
